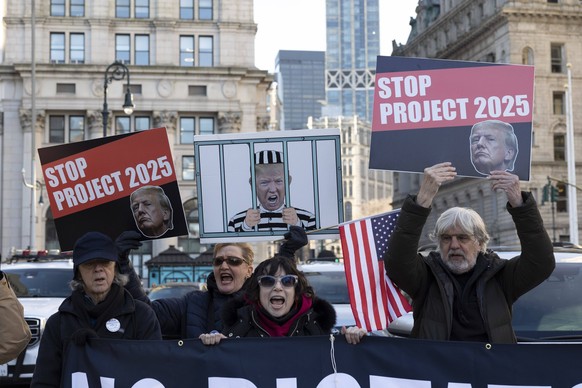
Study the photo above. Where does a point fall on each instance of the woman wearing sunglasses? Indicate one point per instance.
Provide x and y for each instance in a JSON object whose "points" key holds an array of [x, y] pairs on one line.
{"points": [[278, 302], [199, 311]]}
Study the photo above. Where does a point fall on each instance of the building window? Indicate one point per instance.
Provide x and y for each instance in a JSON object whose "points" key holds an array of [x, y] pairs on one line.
{"points": [[122, 8], [187, 130], [527, 56], [77, 48], [187, 51], [558, 99], [63, 127], [126, 124], [187, 9], [188, 127], [66, 88], [56, 129], [57, 7], [57, 47], [206, 125], [188, 168], [205, 10], [142, 9], [559, 147], [205, 51], [77, 8], [142, 123], [142, 50], [557, 52], [76, 128], [122, 124], [122, 48]]}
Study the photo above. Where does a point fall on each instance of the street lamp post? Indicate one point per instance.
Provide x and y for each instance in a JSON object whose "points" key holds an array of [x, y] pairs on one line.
{"points": [[116, 71]]}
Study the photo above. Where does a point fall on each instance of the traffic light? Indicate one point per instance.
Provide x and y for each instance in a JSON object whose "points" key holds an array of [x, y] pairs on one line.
{"points": [[555, 194]]}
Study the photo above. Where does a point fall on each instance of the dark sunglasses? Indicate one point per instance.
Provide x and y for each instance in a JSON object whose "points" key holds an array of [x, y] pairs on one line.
{"points": [[269, 281], [232, 261]]}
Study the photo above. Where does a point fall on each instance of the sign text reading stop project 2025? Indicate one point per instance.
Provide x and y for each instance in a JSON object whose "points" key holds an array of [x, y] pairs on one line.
{"points": [[108, 172]]}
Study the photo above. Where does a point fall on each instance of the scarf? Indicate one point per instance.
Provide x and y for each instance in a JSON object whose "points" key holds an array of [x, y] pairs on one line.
{"points": [[279, 327], [96, 315]]}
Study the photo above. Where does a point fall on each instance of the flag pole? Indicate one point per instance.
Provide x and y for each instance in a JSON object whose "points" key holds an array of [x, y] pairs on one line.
{"points": [[572, 195]]}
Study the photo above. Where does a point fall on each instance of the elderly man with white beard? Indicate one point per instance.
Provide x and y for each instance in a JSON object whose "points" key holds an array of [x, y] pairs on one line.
{"points": [[463, 291]]}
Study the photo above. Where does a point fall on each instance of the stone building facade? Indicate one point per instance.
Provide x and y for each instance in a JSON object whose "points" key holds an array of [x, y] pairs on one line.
{"points": [[191, 68], [542, 33]]}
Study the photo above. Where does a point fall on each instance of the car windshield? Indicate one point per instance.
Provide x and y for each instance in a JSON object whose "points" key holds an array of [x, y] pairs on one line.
{"points": [[554, 308], [330, 286], [171, 292], [40, 282]]}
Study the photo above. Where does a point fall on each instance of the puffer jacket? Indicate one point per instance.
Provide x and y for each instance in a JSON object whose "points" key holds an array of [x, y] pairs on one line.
{"points": [[240, 320], [193, 314], [499, 286], [133, 320]]}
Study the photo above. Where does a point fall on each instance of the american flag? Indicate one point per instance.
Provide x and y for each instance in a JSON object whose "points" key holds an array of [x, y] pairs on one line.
{"points": [[375, 300]]}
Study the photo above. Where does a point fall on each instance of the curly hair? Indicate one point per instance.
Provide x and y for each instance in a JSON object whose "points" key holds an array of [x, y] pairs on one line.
{"points": [[270, 267]]}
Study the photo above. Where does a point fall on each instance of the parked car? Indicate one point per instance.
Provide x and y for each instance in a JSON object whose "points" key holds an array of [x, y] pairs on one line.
{"points": [[550, 312], [41, 287], [328, 280], [174, 289]]}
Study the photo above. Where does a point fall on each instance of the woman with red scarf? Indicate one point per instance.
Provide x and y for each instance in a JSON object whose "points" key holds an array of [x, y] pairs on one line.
{"points": [[279, 302]]}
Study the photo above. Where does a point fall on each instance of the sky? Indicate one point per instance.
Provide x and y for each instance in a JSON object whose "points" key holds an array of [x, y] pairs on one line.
{"points": [[300, 25]]}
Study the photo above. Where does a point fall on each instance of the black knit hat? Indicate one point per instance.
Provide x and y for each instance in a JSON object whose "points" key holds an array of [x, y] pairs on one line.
{"points": [[91, 246], [268, 157]]}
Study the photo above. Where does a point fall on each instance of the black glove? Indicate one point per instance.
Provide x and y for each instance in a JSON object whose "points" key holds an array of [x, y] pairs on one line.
{"points": [[81, 336], [128, 240], [295, 239]]}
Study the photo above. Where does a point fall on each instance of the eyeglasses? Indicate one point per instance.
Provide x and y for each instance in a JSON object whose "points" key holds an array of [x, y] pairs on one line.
{"points": [[287, 281], [461, 238], [232, 261]]}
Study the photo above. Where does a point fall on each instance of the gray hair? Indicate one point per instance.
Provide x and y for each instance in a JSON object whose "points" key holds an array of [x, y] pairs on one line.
{"points": [[468, 220], [119, 278]]}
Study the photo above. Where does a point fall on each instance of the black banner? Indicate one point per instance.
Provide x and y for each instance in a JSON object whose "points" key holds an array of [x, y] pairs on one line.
{"points": [[310, 362]]}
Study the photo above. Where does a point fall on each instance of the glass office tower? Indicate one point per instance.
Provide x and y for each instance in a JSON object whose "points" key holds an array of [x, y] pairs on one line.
{"points": [[353, 43]]}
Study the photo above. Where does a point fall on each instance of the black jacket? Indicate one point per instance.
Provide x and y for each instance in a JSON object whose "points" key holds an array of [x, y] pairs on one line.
{"points": [[137, 321], [193, 314], [498, 287], [240, 320]]}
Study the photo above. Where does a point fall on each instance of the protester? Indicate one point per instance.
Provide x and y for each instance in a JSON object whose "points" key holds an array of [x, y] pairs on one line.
{"points": [[200, 311], [14, 331], [152, 211], [273, 213], [462, 291], [98, 307], [279, 302], [493, 146]]}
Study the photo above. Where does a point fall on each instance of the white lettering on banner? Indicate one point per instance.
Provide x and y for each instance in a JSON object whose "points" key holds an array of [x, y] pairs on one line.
{"points": [[335, 380], [393, 382], [71, 170], [79, 380], [88, 191], [424, 111], [412, 86], [229, 382]]}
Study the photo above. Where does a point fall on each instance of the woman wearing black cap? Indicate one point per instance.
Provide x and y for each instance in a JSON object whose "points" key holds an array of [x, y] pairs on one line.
{"points": [[99, 306]]}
